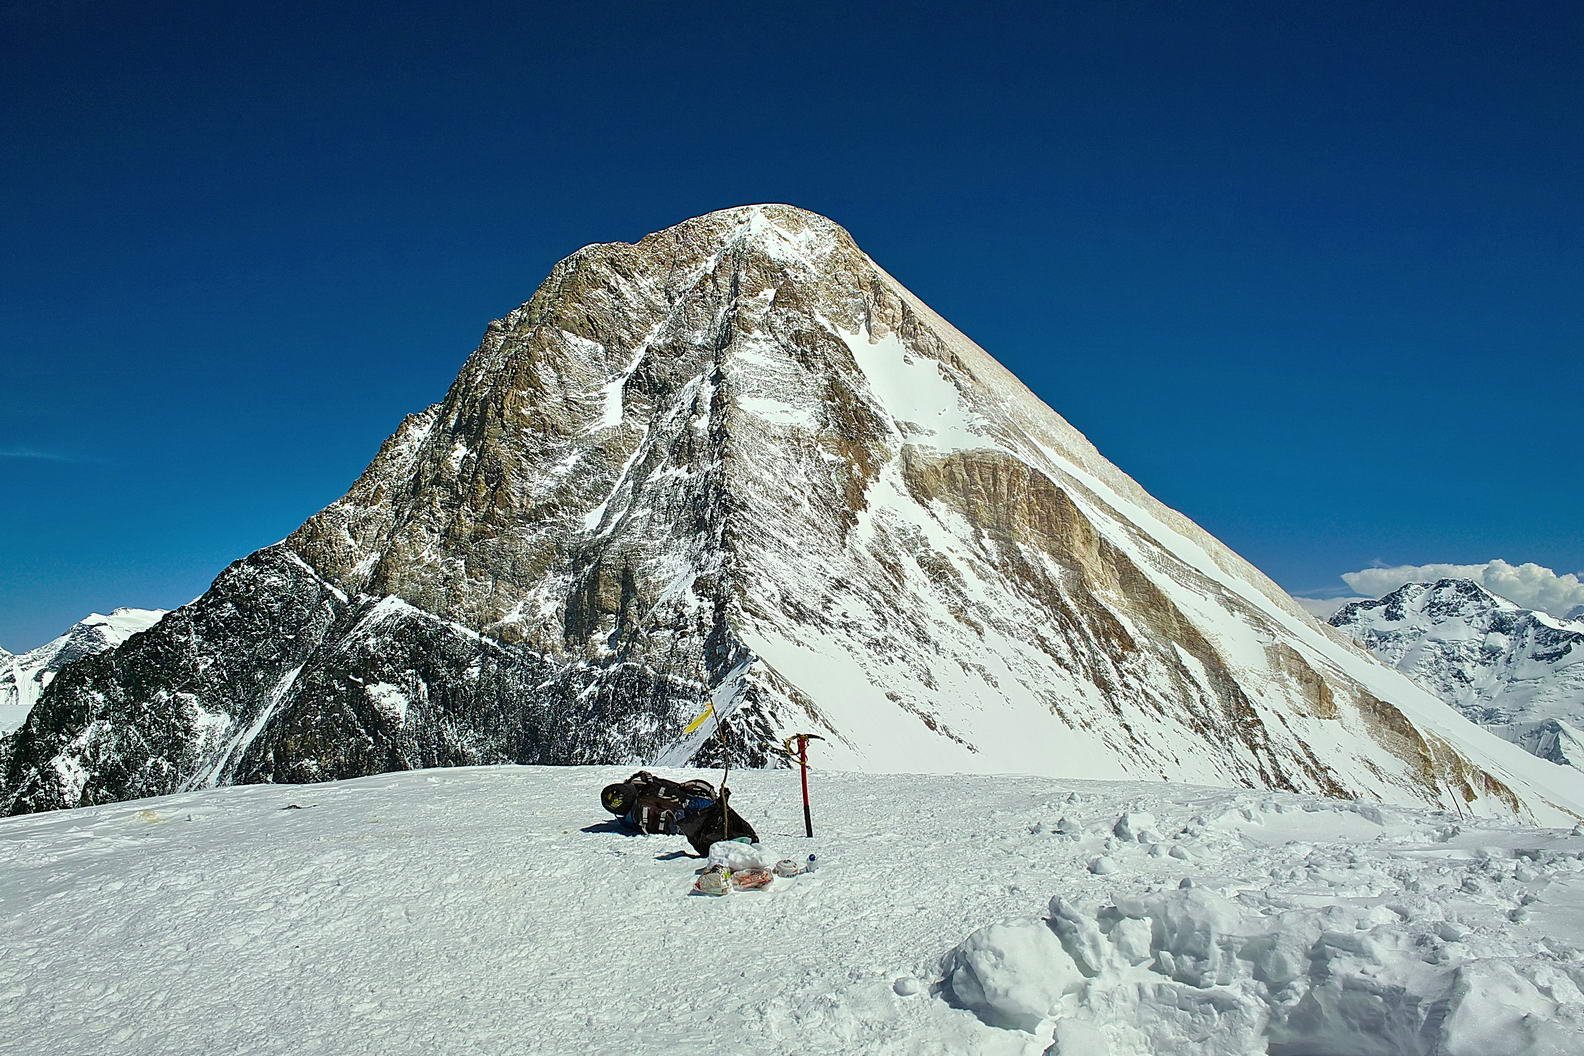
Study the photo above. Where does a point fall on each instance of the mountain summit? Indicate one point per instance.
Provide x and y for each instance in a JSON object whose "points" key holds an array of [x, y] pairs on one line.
{"points": [[1517, 671], [23, 677], [727, 483]]}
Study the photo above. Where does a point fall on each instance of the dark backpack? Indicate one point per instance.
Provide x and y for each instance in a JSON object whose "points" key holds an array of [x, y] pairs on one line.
{"points": [[717, 822], [653, 804]]}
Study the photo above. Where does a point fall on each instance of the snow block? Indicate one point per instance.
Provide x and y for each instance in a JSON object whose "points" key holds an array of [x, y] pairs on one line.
{"points": [[1195, 973], [1133, 826], [1011, 975]]}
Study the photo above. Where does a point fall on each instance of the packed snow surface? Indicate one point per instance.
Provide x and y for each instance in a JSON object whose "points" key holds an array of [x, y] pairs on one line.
{"points": [[499, 910]]}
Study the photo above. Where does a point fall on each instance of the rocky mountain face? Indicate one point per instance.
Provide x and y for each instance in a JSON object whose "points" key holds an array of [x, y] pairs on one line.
{"points": [[1518, 672], [725, 484], [23, 677]]}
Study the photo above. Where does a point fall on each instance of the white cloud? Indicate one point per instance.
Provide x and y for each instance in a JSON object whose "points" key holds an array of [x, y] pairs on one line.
{"points": [[1323, 609], [1530, 585]]}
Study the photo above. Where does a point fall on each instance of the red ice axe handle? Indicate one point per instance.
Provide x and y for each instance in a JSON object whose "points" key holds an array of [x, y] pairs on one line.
{"points": [[802, 740]]}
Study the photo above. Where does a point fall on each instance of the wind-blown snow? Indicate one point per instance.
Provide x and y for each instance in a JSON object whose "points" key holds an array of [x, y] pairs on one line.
{"points": [[495, 910]]}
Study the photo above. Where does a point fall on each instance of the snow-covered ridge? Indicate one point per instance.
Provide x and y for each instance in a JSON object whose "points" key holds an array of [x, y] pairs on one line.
{"points": [[24, 676], [1516, 671]]}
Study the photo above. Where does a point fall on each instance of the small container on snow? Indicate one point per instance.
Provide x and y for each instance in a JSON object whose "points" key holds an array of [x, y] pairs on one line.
{"points": [[812, 865], [716, 880]]}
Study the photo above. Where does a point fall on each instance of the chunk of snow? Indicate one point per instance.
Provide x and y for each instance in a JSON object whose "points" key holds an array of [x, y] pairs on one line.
{"points": [[1011, 975], [1134, 825]]}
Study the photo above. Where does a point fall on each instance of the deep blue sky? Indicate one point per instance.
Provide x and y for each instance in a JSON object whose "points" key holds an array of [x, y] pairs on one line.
{"points": [[1312, 273]]}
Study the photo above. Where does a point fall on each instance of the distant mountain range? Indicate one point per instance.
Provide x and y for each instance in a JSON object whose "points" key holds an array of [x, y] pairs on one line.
{"points": [[24, 676], [1516, 671]]}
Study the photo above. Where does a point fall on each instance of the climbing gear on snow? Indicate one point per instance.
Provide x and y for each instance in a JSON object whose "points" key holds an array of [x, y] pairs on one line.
{"points": [[653, 804], [802, 740], [618, 799]]}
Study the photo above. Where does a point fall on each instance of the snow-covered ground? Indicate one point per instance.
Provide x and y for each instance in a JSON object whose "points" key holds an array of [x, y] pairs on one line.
{"points": [[495, 910]]}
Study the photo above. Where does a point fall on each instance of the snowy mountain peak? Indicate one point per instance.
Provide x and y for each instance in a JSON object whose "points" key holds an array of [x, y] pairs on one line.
{"points": [[1517, 671], [728, 483], [1435, 600], [784, 233], [23, 677]]}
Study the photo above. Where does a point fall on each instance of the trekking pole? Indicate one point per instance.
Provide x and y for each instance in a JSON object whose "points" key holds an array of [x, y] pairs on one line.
{"points": [[802, 740], [723, 731]]}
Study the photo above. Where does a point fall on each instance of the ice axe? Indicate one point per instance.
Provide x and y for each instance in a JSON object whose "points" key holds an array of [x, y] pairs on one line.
{"points": [[802, 740]]}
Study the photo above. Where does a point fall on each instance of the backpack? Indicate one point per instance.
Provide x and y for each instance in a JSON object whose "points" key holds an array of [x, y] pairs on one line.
{"points": [[693, 809], [716, 823]]}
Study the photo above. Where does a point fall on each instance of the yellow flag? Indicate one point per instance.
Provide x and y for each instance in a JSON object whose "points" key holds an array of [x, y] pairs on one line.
{"points": [[709, 709]]}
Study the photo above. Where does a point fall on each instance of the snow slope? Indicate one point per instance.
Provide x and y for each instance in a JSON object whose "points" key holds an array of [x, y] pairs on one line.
{"points": [[24, 676], [494, 910], [1518, 672]]}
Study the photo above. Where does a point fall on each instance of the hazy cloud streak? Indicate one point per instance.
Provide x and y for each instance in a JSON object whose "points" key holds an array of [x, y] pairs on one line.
{"points": [[33, 454]]}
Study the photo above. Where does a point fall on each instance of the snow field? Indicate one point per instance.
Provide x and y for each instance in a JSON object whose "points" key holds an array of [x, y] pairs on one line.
{"points": [[1370, 933], [497, 910]]}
